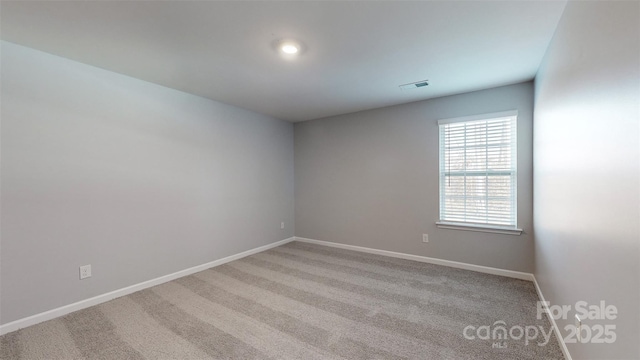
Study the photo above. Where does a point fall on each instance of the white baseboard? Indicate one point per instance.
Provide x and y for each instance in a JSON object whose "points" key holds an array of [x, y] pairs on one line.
{"points": [[83, 304], [556, 330], [424, 259]]}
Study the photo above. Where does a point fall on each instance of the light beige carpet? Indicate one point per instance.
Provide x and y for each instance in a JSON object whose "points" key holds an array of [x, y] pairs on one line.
{"points": [[301, 301]]}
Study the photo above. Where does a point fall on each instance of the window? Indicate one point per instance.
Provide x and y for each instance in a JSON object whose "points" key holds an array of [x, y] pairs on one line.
{"points": [[478, 173]]}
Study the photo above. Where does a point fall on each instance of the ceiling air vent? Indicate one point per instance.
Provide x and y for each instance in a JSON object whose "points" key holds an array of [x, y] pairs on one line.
{"points": [[415, 85]]}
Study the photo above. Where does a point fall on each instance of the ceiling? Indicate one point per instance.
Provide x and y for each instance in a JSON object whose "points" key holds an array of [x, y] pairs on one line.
{"points": [[357, 52]]}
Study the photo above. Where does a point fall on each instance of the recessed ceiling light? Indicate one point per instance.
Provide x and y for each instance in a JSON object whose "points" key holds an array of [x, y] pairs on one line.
{"points": [[289, 48]]}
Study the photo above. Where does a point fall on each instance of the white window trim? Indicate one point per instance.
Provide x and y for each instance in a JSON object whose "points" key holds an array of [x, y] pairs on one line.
{"points": [[480, 117], [496, 229], [478, 227]]}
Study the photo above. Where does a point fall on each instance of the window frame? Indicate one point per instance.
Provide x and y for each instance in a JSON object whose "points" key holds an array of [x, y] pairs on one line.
{"points": [[471, 226]]}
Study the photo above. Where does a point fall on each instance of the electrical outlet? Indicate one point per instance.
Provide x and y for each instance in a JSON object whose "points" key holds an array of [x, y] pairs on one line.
{"points": [[425, 238], [85, 271], [578, 328], [282, 225]]}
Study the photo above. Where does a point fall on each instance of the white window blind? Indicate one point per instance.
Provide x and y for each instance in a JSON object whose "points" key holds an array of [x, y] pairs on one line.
{"points": [[478, 170]]}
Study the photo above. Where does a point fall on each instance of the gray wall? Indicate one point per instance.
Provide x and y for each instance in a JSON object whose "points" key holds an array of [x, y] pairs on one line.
{"points": [[586, 169], [133, 178], [371, 179]]}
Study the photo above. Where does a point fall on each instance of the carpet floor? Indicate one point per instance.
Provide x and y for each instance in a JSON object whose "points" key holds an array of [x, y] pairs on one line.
{"points": [[303, 301]]}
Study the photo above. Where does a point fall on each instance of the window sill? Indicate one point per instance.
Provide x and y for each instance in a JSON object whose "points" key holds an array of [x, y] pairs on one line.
{"points": [[479, 228]]}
